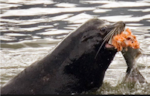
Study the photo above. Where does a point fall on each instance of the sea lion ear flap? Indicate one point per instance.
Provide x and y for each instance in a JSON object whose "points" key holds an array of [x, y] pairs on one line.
{"points": [[85, 37]]}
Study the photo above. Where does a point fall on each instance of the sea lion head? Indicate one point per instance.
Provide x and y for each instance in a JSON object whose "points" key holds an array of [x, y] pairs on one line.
{"points": [[92, 54], [100, 34]]}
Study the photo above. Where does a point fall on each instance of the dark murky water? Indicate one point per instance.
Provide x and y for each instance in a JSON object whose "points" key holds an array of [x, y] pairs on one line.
{"points": [[31, 28]]}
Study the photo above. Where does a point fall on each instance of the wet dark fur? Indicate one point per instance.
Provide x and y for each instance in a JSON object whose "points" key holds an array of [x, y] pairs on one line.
{"points": [[71, 67]]}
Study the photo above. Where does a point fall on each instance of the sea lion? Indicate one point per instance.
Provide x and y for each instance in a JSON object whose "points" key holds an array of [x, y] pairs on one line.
{"points": [[77, 65]]}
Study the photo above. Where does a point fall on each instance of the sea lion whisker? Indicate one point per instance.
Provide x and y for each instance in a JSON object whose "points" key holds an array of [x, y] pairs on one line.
{"points": [[99, 49], [113, 32], [108, 34], [111, 36], [107, 37]]}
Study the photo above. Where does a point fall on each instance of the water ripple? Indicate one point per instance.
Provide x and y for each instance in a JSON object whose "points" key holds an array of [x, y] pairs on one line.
{"points": [[32, 28]]}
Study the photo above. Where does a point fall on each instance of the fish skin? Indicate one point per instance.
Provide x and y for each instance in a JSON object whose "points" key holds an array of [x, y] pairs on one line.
{"points": [[132, 73]]}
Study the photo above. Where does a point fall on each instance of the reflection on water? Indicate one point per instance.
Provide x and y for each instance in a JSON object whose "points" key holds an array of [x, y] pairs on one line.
{"points": [[31, 28]]}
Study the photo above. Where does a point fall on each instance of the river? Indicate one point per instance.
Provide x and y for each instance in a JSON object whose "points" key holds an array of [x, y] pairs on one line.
{"points": [[30, 29]]}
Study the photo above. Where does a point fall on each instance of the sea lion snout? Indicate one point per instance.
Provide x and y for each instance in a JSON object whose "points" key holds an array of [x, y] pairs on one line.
{"points": [[120, 23], [107, 31]]}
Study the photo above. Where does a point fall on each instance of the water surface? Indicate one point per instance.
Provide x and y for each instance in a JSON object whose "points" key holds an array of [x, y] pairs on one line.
{"points": [[30, 29]]}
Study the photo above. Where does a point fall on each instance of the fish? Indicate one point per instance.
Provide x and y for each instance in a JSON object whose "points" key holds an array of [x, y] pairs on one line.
{"points": [[125, 39], [133, 74], [129, 46]]}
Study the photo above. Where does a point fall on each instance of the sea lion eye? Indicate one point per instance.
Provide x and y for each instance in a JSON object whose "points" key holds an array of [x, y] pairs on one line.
{"points": [[103, 29]]}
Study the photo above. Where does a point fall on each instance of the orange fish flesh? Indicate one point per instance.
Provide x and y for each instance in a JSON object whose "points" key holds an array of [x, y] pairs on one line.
{"points": [[124, 40]]}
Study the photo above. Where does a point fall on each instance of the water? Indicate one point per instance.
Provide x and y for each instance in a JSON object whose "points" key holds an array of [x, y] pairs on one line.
{"points": [[30, 29]]}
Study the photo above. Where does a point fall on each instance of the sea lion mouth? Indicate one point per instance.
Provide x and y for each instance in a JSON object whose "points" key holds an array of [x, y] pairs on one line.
{"points": [[109, 46], [114, 29], [118, 28]]}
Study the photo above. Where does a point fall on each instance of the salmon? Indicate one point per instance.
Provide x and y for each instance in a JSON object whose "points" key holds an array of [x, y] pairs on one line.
{"points": [[132, 73], [127, 43], [125, 39]]}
